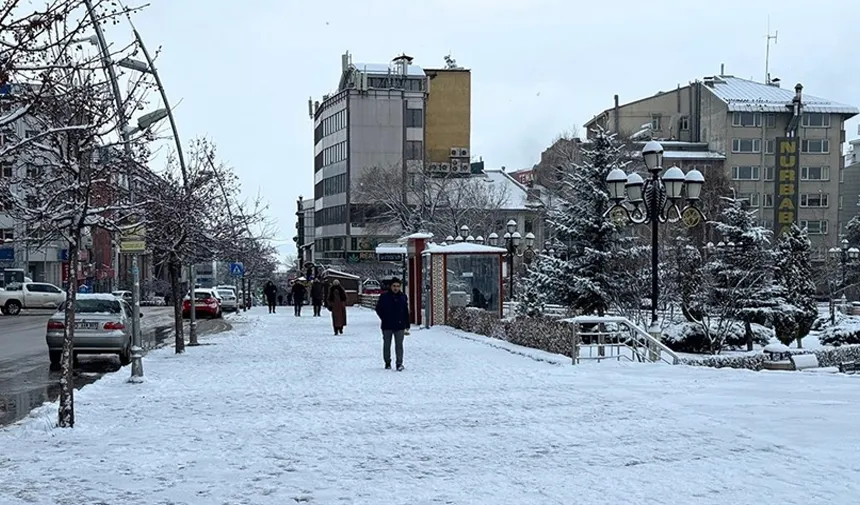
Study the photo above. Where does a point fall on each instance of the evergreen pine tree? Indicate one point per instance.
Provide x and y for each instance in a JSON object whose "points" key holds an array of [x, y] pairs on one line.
{"points": [[794, 275], [743, 271], [530, 298], [585, 278]]}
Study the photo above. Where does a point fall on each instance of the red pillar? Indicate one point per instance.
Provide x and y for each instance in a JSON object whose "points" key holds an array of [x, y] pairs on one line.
{"points": [[414, 248]]}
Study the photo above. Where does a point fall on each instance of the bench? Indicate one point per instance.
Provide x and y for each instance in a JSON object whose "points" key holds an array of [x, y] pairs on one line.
{"points": [[849, 367], [809, 363]]}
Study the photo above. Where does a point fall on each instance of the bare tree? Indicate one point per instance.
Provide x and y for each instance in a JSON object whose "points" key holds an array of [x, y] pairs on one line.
{"points": [[60, 145], [195, 215], [439, 205]]}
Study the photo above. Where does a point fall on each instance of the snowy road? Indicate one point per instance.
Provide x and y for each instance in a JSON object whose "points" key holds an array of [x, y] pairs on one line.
{"points": [[281, 411]]}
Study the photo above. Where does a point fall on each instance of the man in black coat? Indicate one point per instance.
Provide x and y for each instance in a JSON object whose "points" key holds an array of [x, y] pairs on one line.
{"points": [[271, 292], [393, 311], [317, 296], [298, 294]]}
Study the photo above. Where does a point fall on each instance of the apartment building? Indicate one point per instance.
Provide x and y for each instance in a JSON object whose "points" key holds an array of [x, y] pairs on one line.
{"points": [[396, 116], [849, 184], [738, 122]]}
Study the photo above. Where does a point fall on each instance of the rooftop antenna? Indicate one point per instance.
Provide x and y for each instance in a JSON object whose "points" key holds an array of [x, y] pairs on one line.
{"points": [[767, 51]]}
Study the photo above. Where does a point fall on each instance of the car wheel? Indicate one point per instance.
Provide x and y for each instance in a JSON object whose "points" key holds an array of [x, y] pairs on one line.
{"points": [[13, 308], [125, 356], [55, 356]]}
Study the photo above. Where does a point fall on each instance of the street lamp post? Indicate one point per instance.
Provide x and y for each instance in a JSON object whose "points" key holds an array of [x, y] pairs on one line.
{"points": [[654, 201], [126, 131], [512, 240], [843, 253]]}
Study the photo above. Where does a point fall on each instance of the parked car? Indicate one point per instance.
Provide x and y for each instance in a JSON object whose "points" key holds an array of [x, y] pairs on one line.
{"points": [[207, 303], [102, 326], [229, 300], [30, 295], [123, 295]]}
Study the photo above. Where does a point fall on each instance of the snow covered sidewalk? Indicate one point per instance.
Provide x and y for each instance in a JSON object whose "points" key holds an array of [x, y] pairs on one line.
{"points": [[281, 411]]}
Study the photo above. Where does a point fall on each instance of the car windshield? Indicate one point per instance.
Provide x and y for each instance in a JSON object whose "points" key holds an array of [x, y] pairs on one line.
{"points": [[94, 306], [225, 292], [202, 295]]}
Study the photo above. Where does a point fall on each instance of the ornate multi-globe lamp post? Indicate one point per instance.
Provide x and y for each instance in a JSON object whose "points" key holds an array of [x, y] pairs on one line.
{"points": [[657, 199]]}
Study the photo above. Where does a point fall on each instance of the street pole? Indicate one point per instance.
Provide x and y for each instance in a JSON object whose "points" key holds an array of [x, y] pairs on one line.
{"points": [[136, 350], [655, 259], [511, 270], [192, 334], [192, 311]]}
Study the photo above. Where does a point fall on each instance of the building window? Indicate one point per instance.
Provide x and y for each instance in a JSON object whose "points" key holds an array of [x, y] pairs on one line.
{"points": [[815, 227], [840, 202], [842, 176], [6, 170], [414, 150], [656, 122], [815, 146], [767, 200], [769, 173], [815, 120], [30, 133], [746, 119], [750, 173], [7, 234], [684, 123], [814, 200], [770, 146], [746, 145], [770, 120], [815, 173], [750, 199], [766, 223], [414, 118]]}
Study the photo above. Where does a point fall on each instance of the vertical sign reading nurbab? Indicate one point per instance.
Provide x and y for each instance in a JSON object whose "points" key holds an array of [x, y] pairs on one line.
{"points": [[787, 184]]}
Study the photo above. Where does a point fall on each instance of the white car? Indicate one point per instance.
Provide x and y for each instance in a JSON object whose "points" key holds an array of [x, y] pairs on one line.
{"points": [[30, 295], [123, 295], [229, 300]]}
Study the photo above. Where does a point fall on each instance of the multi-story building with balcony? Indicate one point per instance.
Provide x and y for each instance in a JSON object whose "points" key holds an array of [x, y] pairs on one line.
{"points": [[739, 121]]}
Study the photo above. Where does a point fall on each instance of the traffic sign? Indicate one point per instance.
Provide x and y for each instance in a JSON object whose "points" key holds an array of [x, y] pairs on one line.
{"points": [[132, 246], [390, 257], [237, 269]]}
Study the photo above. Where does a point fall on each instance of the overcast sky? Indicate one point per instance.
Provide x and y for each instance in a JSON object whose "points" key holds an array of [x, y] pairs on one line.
{"points": [[244, 71]]}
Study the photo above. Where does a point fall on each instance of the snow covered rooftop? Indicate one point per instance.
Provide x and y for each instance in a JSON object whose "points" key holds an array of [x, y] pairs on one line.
{"points": [[384, 69], [693, 155], [516, 194], [390, 249], [743, 95], [463, 248]]}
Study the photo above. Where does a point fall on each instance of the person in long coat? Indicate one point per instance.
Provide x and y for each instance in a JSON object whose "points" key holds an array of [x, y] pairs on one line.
{"points": [[336, 303]]}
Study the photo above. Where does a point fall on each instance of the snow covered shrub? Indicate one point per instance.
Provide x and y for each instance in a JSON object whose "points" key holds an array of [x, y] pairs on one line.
{"points": [[691, 338], [531, 299], [846, 331], [748, 362], [833, 357], [541, 333]]}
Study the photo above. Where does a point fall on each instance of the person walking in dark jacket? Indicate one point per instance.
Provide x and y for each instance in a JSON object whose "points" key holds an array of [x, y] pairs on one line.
{"points": [[271, 292], [317, 296], [393, 311], [298, 295]]}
